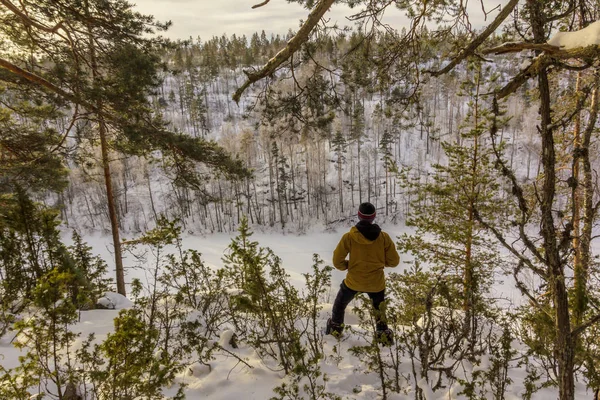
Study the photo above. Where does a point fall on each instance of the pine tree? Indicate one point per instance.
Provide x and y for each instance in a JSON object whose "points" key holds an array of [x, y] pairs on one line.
{"points": [[47, 335], [339, 145], [445, 209], [389, 164], [104, 69], [267, 297]]}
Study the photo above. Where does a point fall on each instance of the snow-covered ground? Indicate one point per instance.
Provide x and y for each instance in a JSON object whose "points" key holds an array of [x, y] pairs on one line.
{"points": [[228, 379], [295, 251]]}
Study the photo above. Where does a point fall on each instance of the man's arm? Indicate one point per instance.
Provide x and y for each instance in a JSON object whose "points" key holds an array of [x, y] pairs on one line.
{"points": [[392, 259], [340, 253]]}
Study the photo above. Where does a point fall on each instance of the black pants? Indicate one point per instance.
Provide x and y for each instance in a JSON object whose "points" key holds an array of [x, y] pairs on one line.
{"points": [[345, 296]]}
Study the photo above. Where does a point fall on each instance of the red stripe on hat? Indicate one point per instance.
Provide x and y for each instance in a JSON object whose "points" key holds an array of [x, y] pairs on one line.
{"points": [[366, 216]]}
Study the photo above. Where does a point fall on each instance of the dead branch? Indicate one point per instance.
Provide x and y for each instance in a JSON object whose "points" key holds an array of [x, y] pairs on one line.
{"points": [[522, 259], [475, 43], [292, 46]]}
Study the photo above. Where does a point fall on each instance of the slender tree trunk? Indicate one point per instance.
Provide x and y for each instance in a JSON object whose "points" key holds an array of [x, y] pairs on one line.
{"points": [[358, 158], [468, 280], [564, 351], [272, 212], [358, 170], [112, 208], [578, 266], [387, 180]]}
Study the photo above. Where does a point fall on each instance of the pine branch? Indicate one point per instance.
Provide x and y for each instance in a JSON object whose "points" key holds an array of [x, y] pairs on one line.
{"points": [[38, 80], [195, 149], [587, 55], [515, 47], [579, 329], [28, 21], [470, 49], [264, 3], [292, 46]]}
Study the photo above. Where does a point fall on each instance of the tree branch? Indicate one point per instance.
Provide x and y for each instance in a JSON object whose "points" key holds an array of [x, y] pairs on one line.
{"points": [[517, 190], [38, 80], [525, 292], [579, 329], [515, 47], [470, 49], [28, 21], [522, 259], [587, 54], [264, 3], [563, 15], [292, 46], [195, 149]]}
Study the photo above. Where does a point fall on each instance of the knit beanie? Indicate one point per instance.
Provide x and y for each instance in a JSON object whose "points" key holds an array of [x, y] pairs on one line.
{"points": [[366, 212]]}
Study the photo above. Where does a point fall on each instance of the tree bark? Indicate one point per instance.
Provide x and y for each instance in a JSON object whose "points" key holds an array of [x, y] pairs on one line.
{"points": [[112, 211], [112, 208]]}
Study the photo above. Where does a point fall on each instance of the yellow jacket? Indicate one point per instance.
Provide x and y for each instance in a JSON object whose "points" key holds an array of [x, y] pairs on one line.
{"points": [[367, 257]]}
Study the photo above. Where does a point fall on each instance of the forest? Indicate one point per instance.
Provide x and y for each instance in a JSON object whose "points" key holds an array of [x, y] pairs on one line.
{"points": [[480, 142]]}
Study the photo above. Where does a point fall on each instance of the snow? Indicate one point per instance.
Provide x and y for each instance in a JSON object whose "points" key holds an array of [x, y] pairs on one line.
{"points": [[114, 301], [587, 36], [525, 64], [225, 378]]}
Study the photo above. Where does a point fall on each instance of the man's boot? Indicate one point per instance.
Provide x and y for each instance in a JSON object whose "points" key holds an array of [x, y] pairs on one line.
{"points": [[334, 329]]}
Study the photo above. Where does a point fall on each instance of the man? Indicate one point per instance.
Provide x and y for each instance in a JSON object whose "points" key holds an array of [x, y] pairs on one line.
{"points": [[370, 251]]}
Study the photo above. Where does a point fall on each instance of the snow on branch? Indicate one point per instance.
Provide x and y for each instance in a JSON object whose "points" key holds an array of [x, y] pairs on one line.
{"points": [[292, 46], [590, 35], [588, 55], [561, 41]]}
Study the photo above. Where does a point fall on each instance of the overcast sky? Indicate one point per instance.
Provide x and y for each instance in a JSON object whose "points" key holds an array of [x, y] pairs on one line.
{"points": [[208, 18]]}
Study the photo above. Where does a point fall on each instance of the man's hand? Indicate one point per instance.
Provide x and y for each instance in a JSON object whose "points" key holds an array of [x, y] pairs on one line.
{"points": [[343, 266]]}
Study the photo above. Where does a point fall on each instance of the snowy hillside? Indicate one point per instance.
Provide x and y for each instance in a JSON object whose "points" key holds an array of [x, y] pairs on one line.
{"points": [[238, 371]]}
